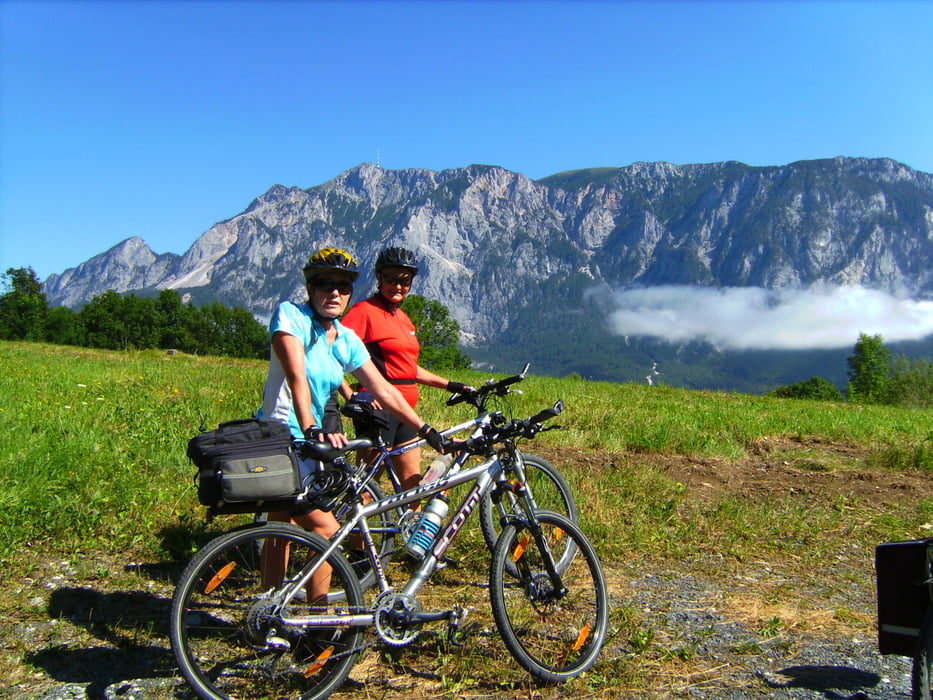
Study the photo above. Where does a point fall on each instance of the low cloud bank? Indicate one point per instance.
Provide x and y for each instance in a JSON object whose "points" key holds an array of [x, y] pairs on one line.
{"points": [[752, 318]]}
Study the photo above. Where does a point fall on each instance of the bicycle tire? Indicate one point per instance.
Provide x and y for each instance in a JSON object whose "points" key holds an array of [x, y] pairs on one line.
{"points": [[551, 492], [382, 527], [553, 637], [221, 621]]}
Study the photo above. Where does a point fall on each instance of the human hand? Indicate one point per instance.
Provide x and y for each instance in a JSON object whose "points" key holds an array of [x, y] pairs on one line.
{"points": [[317, 434]]}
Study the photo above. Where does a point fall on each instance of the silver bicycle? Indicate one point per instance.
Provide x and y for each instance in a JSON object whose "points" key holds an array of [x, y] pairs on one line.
{"points": [[236, 633]]}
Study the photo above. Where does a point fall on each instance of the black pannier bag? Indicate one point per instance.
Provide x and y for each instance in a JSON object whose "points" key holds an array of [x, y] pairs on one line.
{"points": [[245, 464], [903, 581]]}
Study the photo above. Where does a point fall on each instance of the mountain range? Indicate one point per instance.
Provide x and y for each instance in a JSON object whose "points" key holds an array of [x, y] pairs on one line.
{"points": [[531, 269]]}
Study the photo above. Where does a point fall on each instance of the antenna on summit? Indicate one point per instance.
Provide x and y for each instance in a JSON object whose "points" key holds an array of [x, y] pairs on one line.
{"points": [[377, 159]]}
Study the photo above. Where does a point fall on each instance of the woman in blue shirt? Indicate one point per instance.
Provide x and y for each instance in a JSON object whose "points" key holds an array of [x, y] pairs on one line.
{"points": [[311, 351]]}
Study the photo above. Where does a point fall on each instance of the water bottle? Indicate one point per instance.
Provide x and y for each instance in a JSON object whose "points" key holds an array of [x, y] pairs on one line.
{"points": [[428, 526], [436, 469]]}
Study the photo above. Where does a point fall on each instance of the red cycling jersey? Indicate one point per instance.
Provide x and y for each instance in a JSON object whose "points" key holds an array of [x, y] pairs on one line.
{"points": [[390, 337]]}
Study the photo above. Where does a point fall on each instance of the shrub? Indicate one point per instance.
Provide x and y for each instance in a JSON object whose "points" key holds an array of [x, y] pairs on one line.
{"points": [[815, 389]]}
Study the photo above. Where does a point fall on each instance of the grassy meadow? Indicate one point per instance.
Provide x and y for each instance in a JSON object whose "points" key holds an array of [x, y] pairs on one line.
{"points": [[92, 455]]}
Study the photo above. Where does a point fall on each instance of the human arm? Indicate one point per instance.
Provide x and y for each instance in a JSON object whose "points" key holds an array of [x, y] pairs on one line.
{"points": [[428, 378], [392, 400], [346, 391]]}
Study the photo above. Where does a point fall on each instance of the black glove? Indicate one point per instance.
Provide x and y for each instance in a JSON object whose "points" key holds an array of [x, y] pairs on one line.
{"points": [[459, 388], [362, 397], [315, 433], [434, 438]]}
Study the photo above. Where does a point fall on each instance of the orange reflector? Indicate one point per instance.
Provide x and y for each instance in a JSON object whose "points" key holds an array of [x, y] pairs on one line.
{"points": [[582, 637], [319, 662], [520, 549], [558, 533], [219, 577]]}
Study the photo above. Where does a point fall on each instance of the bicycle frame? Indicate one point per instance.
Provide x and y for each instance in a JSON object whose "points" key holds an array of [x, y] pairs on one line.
{"points": [[485, 476], [478, 424], [385, 455]]}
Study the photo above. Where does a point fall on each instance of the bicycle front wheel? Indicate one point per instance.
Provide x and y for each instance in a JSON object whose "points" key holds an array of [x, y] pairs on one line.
{"points": [[226, 630], [553, 632], [551, 492]]}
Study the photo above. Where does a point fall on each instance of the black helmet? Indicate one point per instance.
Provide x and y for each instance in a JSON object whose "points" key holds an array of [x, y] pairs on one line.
{"points": [[331, 259], [397, 257]]}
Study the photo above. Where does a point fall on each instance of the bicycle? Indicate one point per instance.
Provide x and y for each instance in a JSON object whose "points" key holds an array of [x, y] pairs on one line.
{"points": [[549, 487], [235, 635]]}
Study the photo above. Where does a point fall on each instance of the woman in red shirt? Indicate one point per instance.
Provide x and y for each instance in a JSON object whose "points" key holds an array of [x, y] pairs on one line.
{"points": [[391, 339]]}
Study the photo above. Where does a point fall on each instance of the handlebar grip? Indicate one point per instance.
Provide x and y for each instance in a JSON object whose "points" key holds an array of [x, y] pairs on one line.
{"points": [[517, 378], [454, 399], [548, 413]]}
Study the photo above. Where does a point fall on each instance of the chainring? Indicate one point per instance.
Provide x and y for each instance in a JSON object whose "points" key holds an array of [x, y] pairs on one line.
{"points": [[392, 617]]}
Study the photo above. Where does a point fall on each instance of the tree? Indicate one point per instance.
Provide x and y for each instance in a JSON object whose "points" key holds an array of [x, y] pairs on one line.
{"points": [[235, 332], [102, 322], [911, 383], [63, 327], [174, 319], [869, 368], [815, 389], [438, 334], [23, 308]]}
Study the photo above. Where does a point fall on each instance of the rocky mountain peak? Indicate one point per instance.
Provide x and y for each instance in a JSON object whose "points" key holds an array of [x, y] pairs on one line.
{"points": [[502, 251]]}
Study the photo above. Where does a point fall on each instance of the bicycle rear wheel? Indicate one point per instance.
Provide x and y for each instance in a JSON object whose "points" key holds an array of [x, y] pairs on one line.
{"points": [[551, 492], [229, 641], [555, 635], [383, 528]]}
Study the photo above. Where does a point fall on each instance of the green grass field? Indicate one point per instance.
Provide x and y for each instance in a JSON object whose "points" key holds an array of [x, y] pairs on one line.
{"points": [[92, 454], [92, 446]]}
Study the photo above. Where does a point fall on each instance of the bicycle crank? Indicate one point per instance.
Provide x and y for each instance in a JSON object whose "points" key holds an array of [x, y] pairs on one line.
{"points": [[396, 618]]}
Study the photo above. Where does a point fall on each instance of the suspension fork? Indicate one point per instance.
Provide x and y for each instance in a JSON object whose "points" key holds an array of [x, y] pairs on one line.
{"points": [[537, 534], [530, 520]]}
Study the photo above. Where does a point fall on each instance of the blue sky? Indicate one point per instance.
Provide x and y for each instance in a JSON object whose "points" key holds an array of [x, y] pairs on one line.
{"points": [[158, 119]]}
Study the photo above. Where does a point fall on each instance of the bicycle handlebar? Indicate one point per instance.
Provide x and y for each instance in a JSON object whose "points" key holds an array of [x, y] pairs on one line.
{"points": [[527, 428], [477, 397]]}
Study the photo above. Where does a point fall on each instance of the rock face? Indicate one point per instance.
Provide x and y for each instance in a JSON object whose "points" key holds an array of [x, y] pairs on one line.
{"points": [[497, 246]]}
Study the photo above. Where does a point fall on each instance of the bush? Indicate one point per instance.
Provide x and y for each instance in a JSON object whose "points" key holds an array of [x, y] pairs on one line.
{"points": [[910, 384], [815, 389]]}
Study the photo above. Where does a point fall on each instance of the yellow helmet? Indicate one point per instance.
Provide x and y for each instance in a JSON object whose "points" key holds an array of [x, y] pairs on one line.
{"points": [[328, 259]]}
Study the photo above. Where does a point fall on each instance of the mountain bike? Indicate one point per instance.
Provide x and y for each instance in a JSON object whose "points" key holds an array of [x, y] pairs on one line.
{"points": [[236, 635], [547, 486]]}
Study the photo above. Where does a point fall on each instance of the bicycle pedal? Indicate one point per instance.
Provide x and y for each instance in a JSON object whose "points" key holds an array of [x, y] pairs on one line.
{"points": [[458, 615]]}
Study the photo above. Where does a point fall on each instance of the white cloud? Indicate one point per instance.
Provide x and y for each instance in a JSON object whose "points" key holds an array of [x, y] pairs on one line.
{"points": [[755, 318]]}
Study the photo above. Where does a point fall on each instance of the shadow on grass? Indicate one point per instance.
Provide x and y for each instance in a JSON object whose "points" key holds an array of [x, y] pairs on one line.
{"points": [[185, 538], [132, 629], [129, 628]]}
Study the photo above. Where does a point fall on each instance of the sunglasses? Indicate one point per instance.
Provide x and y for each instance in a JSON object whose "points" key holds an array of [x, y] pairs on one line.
{"points": [[327, 286], [401, 281]]}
